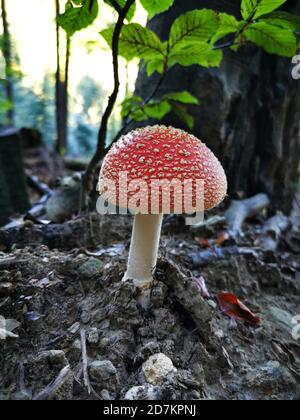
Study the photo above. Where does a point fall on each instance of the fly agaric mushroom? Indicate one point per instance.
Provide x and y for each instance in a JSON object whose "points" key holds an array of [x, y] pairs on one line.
{"points": [[151, 154]]}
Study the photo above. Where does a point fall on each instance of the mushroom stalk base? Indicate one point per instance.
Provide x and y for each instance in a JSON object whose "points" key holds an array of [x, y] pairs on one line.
{"points": [[143, 252]]}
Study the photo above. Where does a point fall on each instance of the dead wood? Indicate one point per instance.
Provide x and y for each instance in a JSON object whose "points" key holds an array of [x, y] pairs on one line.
{"points": [[86, 378], [272, 232], [240, 211], [204, 258], [40, 187], [9, 263], [87, 231], [64, 378]]}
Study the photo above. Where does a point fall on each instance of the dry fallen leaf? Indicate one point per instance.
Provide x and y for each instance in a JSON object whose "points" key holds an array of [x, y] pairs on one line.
{"points": [[201, 284], [234, 308], [209, 243], [7, 326]]}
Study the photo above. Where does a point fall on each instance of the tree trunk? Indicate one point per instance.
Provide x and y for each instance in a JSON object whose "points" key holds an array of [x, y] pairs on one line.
{"points": [[8, 63], [62, 81], [13, 191], [248, 114]]}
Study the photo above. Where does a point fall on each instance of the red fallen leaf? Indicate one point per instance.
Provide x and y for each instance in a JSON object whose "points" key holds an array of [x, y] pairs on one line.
{"points": [[234, 308]]}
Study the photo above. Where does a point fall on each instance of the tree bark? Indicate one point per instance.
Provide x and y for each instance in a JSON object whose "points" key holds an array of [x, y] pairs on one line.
{"points": [[61, 90], [248, 114], [13, 190], [7, 53]]}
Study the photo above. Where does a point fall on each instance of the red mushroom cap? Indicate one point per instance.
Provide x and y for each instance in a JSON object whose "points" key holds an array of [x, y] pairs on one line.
{"points": [[165, 153]]}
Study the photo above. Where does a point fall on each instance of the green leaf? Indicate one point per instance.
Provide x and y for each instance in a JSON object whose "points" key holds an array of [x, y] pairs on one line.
{"points": [[197, 25], [79, 17], [121, 3], [272, 39], [283, 20], [156, 65], [154, 7], [200, 53], [257, 8], [129, 103], [182, 113], [228, 24], [184, 97], [133, 108], [136, 41], [157, 110]]}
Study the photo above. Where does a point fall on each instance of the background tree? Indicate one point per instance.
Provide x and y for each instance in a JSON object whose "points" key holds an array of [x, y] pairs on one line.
{"points": [[7, 53], [249, 109], [41, 105], [62, 82], [89, 98]]}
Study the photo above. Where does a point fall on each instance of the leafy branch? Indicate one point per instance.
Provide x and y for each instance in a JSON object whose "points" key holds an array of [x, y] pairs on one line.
{"points": [[112, 100]]}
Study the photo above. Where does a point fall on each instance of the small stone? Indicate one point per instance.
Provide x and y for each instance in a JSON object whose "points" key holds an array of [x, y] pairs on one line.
{"points": [[219, 333], [102, 371], [105, 395], [152, 347], [104, 343], [157, 368], [212, 304], [54, 357], [91, 268], [199, 373], [144, 331], [85, 317], [93, 336], [271, 377], [187, 380], [145, 393], [76, 348], [6, 289], [282, 318]]}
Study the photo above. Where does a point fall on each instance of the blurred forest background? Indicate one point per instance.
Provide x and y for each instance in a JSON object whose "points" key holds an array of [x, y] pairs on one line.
{"points": [[37, 45]]}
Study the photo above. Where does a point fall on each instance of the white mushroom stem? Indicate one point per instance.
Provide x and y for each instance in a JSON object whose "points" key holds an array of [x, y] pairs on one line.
{"points": [[143, 252]]}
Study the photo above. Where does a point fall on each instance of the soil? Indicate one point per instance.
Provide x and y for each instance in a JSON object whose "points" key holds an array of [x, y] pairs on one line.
{"points": [[61, 299]]}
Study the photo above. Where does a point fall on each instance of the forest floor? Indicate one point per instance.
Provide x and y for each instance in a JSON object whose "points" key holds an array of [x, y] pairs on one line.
{"points": [[72, 330]]}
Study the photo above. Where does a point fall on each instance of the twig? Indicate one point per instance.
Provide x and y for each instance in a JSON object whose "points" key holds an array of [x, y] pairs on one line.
{"points": [[21, 370], [236, 35], [116, 5], [49, 392], [100, 152], [201, 259], [239, 211], [86, 378], [272, 232], [40, 187]]}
